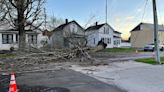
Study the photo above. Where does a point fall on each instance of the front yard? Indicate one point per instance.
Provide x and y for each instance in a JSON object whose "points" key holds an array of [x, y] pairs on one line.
{"points": [[7, 55], [119, 50], [149, 60]]}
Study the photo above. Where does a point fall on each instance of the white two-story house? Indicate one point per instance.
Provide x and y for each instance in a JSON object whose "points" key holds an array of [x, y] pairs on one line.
{"points": [[117, 39], [97, 32]]}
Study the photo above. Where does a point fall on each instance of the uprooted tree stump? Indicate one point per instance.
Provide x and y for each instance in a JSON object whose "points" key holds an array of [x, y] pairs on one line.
{"points": [[100, 46]]}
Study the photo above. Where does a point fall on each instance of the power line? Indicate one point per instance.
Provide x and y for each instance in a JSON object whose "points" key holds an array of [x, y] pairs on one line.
{"points": [[145, 6], [142, 17], [159, 13], [106, 11]]}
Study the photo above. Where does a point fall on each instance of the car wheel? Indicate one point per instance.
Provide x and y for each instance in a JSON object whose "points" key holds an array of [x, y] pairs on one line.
{"points": [[162, 49]]}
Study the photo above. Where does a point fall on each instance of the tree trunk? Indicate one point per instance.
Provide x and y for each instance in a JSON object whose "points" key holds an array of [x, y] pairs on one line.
{"points": [[22, 38], [21, 26]]}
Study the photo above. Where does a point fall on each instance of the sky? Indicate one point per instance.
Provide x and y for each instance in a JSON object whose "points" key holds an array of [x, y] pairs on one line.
{"points": [[123, 15]]}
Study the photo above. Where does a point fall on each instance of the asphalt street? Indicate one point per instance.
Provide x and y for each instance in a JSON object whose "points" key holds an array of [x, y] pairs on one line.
{"points": [[65, 80]]}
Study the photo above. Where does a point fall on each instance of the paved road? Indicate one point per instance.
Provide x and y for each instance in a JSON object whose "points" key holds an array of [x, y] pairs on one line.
{"points": [[71, 80]]}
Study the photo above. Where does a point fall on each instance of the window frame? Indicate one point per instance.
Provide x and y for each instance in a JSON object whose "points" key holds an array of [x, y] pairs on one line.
{"points": [[94, 41], [16, 38], [7, 38], [32, 38]]}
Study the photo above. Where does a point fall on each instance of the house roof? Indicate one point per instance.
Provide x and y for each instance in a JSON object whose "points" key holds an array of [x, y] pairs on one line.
{"points": [[125, 40], [95, 27], [61, 27], [117, 32], [151, 26], [6, 26], [116, 37]]}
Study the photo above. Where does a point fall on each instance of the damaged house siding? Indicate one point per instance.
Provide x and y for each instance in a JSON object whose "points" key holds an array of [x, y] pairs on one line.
{"points": [[66, 35]]}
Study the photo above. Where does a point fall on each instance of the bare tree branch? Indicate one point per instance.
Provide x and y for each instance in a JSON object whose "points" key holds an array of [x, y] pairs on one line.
{"points": [[22, 13]]}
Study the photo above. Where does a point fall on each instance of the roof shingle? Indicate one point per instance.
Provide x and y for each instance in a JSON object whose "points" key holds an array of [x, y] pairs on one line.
{"points": [[94, 27]]}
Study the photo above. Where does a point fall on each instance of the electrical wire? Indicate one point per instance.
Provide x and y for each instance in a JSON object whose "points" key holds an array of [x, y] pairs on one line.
{"points": [[145, 6]]}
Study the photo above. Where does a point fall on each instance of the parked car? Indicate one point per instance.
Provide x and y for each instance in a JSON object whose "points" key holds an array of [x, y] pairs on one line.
{"points": [[151, 47]]}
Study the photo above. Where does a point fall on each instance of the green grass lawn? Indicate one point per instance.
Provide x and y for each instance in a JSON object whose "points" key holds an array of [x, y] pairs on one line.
{"points": [[7, 55], [119, 50], [150, 60]]}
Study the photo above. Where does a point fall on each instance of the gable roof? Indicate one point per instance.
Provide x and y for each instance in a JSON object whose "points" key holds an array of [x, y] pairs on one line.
{"points": [[117, 32], [61, 27], [6, 26], [151, 26], [95, 27], [116, 37]]}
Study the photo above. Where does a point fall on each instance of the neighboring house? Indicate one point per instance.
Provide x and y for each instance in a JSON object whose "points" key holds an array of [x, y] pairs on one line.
{"points": [[67, 35], [9, 37], [125, 44], [97, 32], [143, 34], [117, 39]]}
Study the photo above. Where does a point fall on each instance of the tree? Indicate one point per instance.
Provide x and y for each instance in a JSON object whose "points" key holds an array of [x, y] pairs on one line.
{"points": [[53, 22], [22, 13]]}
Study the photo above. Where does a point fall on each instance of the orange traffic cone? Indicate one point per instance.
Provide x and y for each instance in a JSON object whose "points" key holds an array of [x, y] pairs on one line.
{"points": [[13, 86]]}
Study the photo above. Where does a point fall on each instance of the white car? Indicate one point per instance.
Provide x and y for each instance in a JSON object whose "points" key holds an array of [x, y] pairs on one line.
{"points": [[151, 47]]}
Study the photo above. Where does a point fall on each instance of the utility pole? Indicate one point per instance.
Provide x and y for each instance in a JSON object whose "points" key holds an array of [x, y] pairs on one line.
{"points": [[156, 39], [106, 11], [45, 18]]}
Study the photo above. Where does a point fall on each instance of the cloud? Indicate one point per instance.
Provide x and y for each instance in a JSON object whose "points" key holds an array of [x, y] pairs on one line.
{"points": [[139, 10], [129, 18], [124, 24], [117, 20]]}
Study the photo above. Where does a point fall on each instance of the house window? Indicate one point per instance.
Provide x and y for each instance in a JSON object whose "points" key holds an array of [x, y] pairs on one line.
{"points": [[7, 38], [16, 38], [94, 41], [32, 39], [115, 42], [118, 42], [102, 39], [108, 41], [108, 30]]}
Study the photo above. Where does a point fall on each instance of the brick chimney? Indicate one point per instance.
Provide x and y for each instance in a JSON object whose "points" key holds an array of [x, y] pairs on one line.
{"points": [[66, 21], [96, 23]]}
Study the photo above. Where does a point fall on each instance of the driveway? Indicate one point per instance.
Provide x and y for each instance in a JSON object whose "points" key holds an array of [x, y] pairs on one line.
{"points": [[68, 80]]}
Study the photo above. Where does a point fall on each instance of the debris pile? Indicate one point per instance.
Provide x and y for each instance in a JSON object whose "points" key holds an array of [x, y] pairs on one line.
{"points": [[27, 60]]}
